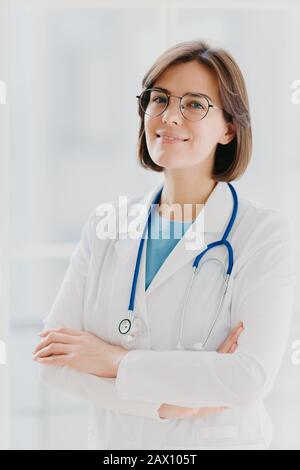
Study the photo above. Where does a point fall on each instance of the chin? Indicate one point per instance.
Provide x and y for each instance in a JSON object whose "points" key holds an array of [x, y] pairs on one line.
{"points": [[166, 163], [171, 163]]}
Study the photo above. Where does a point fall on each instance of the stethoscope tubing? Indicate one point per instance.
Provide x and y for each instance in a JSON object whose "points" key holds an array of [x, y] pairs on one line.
{"points": [[196, 262]]}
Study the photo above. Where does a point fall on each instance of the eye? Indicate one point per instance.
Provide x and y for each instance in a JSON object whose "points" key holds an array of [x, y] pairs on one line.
{"points": [[158, 98], [197, 104]]}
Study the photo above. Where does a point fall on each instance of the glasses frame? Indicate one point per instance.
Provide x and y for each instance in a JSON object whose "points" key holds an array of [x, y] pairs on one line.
{"points": [[210, 105]]}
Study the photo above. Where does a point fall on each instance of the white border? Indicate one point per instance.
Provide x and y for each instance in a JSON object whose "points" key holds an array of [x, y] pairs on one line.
{"points": [[127, 4], [168, 10], [4, 274]]}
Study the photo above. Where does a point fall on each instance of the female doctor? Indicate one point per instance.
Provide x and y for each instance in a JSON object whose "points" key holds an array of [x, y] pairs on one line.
{"points": [[175, 340]]}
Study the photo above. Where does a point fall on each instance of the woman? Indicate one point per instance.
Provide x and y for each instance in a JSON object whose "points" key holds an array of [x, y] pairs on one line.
{"points": [[180, 369]]}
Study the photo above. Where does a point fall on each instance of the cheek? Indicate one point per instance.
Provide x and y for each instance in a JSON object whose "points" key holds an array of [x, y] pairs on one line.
{"points": [[150, 127], [206, 135], [202, 130]]}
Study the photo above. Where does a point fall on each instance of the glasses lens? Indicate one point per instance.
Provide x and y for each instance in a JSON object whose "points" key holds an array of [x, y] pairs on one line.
{"points": [[153, 102], [194, 107]]}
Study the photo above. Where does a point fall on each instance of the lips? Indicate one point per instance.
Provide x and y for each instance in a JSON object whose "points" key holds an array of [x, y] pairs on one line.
{"points": [[170, 137]]}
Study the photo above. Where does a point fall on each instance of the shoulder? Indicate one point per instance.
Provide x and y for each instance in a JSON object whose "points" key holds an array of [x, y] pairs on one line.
{"points": [[263, 235], [105, 219], [264, 243], [265, 223]]}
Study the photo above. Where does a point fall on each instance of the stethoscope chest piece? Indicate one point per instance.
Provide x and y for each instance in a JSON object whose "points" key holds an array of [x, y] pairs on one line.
{"points": [[131, 325], [124, 326], [129, 328]]}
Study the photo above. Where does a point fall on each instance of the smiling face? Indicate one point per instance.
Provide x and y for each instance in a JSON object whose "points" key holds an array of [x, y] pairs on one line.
{"points": [[203, 136]]}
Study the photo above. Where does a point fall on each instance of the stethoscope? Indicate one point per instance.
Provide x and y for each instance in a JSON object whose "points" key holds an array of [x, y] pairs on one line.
{"points": [[129, 326]]}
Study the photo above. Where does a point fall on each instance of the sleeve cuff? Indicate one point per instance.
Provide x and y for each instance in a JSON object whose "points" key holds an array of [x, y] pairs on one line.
{"points": [[123, 389]]}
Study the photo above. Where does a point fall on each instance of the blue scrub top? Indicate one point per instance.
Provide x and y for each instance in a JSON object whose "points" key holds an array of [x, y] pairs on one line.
{"points": [[163, 236]]}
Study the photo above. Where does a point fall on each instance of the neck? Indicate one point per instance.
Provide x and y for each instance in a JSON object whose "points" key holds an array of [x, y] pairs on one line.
{"points": [[184, 193]]}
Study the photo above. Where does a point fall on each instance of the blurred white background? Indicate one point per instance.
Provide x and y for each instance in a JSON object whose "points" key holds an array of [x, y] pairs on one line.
{"points": [[73, 71]]}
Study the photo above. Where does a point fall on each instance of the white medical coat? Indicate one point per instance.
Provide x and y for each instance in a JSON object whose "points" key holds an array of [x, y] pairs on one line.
{"points": [[94, 297]]}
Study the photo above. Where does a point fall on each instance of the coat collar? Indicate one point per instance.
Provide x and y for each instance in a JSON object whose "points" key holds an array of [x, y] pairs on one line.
{"points": [[210, 224]]}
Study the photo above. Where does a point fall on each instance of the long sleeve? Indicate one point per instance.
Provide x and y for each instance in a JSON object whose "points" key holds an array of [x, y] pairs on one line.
{"points": [[263, 299], [67, 311]]}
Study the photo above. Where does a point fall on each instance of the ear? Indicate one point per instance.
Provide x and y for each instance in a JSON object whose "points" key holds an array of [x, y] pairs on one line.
{"points": [[229, 134]]}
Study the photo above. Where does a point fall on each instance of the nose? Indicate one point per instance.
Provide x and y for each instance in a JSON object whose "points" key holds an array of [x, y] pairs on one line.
{"points": [[173, 113]]}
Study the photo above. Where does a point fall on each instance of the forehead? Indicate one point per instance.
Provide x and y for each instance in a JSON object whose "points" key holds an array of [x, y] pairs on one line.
{"points": [[189, 77]]}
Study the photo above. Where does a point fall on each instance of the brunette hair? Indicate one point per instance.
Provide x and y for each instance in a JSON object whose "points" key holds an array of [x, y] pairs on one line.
{"points": [[232, 159]]}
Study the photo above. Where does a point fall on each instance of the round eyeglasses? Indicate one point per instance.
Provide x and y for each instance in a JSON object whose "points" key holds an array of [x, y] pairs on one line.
{"points": [[193, 106]]}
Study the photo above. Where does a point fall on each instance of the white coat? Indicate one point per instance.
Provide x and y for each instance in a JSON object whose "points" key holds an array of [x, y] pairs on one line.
{"points": [[94, 297]]}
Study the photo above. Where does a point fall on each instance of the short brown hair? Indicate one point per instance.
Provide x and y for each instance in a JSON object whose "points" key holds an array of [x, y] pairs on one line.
{"points": [[232, 159]]}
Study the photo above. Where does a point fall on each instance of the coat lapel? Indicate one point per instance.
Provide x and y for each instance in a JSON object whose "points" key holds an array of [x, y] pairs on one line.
{"points": [[209, 226], [127, 245], [206, 228]]}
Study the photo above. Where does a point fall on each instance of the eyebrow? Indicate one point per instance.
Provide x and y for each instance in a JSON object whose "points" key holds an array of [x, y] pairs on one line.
{"points": [[194, 92]]}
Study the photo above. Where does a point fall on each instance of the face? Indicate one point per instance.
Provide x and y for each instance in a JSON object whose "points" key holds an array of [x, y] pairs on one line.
{"points": [[203, 136]]}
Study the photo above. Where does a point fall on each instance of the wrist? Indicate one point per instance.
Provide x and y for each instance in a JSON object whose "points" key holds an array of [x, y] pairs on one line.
{"points": [[120, 353]]}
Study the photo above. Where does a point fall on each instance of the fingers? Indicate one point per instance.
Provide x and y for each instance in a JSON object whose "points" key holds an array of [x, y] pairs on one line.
{"points": [[233, 348], [236, 333], [232, 339], [53, 349], [177, 412], [54, 360], [54, 337], [61, 329], [210, 411]]}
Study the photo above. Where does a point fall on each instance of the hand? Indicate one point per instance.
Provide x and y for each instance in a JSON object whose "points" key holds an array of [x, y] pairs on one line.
{"points": [[229, 346], [231, 342], [181, 412], [79, 350]]}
